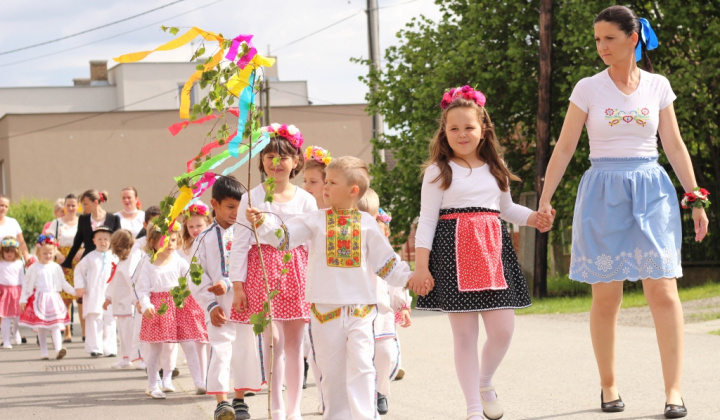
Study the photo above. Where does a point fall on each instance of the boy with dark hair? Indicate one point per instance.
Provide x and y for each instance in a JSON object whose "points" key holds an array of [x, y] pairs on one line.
{"points": [[233, 344], [150, 213]]}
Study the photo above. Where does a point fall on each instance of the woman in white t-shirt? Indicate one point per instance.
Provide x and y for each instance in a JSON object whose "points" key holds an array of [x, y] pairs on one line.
{"points": [[131, 217], [626, 224], [10, 227]]}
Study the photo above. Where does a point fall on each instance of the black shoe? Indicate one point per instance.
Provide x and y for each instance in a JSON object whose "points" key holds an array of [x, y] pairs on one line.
{"points": [[382, 403], [614, 406], [24, 340], [175, 373], [673, 411], [93, 354], [83, 339], [305, 377], [249, 393], [242, 411], [111, 355], [224, 411]]}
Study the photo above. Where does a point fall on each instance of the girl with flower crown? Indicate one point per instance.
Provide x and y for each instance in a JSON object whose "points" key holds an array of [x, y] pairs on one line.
{"points": [[626, 224], [197, 219], [282, 160], [12, 274], [465, 192], [41, 306]]}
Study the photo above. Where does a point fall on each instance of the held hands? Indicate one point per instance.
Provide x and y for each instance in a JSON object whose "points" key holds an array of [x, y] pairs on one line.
{"points": [[80, 292], [218, 289], [405, 320], [217, 316], [421, 282], [545, 216], [150, 313], [253, 215], [240, 302], [106, 304], [701, 223]]}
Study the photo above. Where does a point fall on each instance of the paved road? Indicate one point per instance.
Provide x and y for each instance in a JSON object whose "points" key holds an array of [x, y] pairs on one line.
{"points": [[549, 373]]}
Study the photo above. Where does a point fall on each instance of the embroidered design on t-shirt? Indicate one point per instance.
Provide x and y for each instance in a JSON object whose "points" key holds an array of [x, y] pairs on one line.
{"points": [[343, 238], [615, 116]]}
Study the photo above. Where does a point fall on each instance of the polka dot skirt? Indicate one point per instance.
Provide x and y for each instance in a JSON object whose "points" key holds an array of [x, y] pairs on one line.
{"points": [[446, 296], [175, 325], [290, 303]]}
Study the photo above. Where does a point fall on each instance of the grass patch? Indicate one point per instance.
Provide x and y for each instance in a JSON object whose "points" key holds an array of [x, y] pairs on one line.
{"points": [[704, 316], [715, 332], [631, 299]]}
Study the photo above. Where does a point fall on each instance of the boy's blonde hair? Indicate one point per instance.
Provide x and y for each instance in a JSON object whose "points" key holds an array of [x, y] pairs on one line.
{"points": [[354, 170], [370, 202], [121, 243]]}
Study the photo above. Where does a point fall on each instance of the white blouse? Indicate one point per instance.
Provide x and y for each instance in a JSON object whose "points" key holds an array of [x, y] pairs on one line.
{"points": [[469, 188], [64, 233], [10, 227], [120, 290], [302, 203], [92, 274], [12, 273], [155, 279], [45, 278], [135, 224]]}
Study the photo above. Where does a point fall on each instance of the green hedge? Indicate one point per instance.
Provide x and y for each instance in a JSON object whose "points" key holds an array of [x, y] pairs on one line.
{"points": [[32, 214]]}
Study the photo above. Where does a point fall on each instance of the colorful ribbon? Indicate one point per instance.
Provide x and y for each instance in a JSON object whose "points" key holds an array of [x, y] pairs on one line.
{"points": [[647, 37]]}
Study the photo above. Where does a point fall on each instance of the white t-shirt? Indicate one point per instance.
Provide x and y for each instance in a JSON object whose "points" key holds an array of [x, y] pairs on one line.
{"points": [[10, 228], [135, 224], [476, 188], [12, 273], [621, 125]]}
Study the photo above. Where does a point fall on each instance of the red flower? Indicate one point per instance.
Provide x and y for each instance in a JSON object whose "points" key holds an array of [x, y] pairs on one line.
{"points": [[690, 197], [356, 232], [330, 260], [283, 131], [609, 111], [645, 111], [331, 233], [349, 263], [342, 221], [704, 192]]}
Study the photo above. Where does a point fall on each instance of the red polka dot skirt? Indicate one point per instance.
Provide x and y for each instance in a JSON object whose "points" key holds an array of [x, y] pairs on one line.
{"points": [[175, 325]]}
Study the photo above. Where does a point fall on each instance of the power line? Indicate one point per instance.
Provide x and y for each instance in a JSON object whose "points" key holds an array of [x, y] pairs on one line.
{"points": [[90, 30], [110, 37]]}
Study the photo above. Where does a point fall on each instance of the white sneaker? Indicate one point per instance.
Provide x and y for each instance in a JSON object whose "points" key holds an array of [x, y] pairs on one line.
{"points": [[6, 346], [167, 386], [140, 365], [122, 364], [155, 393]]}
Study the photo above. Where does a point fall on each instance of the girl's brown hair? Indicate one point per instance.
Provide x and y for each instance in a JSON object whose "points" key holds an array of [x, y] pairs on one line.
{"points": [[187, 239], [15, 249], [95, 195], [488, 150], [283, 148], [121, 243]]}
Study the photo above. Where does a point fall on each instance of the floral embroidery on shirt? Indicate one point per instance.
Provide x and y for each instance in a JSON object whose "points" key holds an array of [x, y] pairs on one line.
{"points": [[326, 317], [364, 311], [387, 268], [615, 116], [343, 241]]}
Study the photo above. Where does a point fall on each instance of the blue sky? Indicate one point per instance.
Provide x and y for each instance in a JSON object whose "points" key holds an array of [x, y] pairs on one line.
{"points": [[322, 59]]}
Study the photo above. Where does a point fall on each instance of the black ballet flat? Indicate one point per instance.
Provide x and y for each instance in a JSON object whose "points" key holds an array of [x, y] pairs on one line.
{"points": [[614, 406], [674, 411]]}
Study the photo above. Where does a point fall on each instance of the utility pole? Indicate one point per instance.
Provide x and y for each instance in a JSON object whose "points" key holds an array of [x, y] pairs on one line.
{"points": [[542, 150], [374, 44]]}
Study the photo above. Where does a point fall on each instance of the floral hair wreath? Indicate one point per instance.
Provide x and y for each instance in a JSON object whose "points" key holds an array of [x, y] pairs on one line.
{"points": [[48, 239], [288, 132], [383, 216], [318, 154], [465, 92], [199, 208], [9, 243], [174, 226]]}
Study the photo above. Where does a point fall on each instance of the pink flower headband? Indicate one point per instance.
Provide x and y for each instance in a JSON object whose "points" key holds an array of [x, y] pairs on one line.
{"points": [[198, 208], [288, 132], [465, 92], [319, 154], [383, 216]]}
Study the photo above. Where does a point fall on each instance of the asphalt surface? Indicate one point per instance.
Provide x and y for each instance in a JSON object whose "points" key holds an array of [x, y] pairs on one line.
{"points": [[549, 373]]}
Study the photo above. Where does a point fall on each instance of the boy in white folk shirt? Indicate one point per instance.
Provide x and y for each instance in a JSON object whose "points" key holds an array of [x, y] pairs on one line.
{"points": [[347, 250], [233, 344]]}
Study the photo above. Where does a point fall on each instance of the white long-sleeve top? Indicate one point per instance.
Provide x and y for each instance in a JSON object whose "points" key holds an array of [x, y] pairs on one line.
{"points": [[210, 255], [92, 274], [12, 273], [329, 280], [159, 278], [44, 278], [469, 188], [389, 300], [302, 203], [120, 290]]}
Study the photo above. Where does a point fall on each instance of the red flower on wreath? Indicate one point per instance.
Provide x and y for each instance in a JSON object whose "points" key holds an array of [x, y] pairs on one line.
{"points": [[690, 197]]}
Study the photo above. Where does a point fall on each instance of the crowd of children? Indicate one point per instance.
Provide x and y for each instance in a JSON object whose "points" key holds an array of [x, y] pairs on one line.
{"points": [[325, 249]]}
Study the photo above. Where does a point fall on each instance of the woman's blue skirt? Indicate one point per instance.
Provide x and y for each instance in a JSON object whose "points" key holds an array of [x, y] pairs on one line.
{"points": [[626, 224]]}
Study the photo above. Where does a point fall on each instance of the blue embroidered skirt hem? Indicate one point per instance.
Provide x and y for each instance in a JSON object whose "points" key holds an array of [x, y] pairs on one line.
{"points": [[626, 224]]}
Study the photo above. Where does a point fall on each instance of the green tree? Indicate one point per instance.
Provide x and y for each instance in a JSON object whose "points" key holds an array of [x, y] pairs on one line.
{"points": [[31, 214], [494, 46]]}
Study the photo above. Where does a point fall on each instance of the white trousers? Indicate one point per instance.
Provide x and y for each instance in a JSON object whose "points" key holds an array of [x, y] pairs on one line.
{"points": [[387, 362], [125, 326], [109, 337], [138, 347], [344, 345], [233, 345], [94, 333]]}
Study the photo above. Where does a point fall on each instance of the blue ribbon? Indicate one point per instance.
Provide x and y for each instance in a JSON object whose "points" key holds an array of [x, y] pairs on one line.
{"points": [[647, 37]]}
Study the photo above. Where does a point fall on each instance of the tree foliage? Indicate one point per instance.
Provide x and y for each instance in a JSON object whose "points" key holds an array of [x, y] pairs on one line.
{"points": [[31, 214], [493, 45]]}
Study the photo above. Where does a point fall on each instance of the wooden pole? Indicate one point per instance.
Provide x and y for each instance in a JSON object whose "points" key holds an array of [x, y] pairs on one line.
{"points": [[542, 149]]}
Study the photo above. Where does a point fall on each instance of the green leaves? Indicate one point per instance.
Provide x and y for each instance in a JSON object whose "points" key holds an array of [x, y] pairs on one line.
{"points": [[172, 29], [162, 309], [196, 272], [269, 189], [287, 257], [262, 319]]}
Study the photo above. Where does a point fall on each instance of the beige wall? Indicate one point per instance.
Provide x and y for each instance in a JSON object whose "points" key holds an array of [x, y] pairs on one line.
{"points": [[76, 151]]}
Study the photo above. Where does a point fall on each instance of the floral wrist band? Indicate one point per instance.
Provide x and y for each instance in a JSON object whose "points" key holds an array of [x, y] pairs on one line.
{"points": [[697, 198]]}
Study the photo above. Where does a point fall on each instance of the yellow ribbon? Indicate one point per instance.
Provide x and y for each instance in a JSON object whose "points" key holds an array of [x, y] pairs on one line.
{"points": [[241, 80]]}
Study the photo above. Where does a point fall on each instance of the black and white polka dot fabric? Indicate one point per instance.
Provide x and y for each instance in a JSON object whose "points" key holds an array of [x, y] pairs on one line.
{"points": [[446, 297]]}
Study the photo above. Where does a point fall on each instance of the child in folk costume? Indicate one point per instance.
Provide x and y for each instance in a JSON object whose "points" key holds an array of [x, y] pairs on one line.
{"points": [[472, 267], [91, 280], [120, 294], [184, 325], [282, 160], [389, 301], [347, 251], [41, 306], [12, 273], [234, 345]]}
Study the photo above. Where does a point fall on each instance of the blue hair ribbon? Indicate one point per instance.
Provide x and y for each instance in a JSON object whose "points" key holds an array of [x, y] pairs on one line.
{"points": [[647, 37]]}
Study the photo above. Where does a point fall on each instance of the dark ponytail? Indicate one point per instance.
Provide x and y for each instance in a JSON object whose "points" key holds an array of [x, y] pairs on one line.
{"points": [[628, 22]]}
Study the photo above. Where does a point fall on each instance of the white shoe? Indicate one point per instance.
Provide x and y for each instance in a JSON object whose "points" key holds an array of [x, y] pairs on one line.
{"points": [[167, 386], [493, 410], [140, 365], [6, 346], [155, 393], [122, 364]]}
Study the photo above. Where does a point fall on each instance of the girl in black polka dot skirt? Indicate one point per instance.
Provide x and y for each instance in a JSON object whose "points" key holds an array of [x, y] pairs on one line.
{"points": [[465, 263]]}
